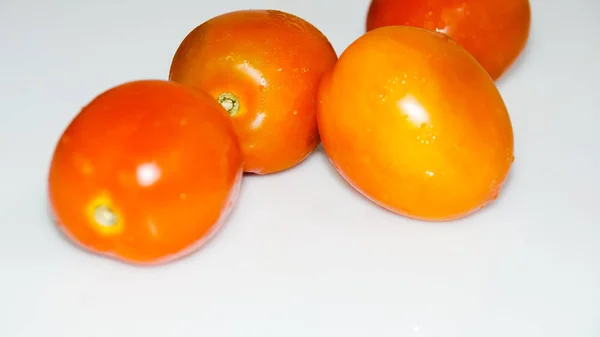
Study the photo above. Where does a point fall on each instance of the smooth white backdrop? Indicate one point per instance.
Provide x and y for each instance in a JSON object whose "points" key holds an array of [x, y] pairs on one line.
{"points": [[304, 255]]}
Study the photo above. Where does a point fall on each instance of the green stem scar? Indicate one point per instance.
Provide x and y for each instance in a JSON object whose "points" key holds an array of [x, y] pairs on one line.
{"points": [[230, 102], [104, 216]]}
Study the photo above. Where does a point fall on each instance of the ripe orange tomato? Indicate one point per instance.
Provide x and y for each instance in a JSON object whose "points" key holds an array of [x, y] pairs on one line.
{"points": [[494, 31], [414, 123], [146, 172], [264, 67]]}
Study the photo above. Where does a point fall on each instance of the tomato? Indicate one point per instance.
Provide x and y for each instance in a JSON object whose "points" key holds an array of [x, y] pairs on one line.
{"points": [[264, 67], [493, 31], [146, 172], [414, 122]]}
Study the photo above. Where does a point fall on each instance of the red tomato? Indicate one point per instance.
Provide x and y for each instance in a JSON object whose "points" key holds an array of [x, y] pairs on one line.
{"points": [[264, 67], [146, 172], [493, 31]]}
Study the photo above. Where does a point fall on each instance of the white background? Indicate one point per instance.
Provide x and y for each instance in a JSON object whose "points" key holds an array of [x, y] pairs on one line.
{"points": [[304, 255]]}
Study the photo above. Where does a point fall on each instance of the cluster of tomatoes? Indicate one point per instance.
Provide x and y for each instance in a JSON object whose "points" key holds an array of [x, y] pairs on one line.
{"points": [[409, 114]]}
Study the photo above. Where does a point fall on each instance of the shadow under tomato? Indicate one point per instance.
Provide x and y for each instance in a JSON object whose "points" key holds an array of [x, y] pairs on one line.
{"points": [[309, 157]]}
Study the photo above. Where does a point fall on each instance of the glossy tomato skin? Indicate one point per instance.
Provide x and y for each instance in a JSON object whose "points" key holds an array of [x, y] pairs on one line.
{"points": [[270, 63], [146, 172], [494, 31], [413, 122]]}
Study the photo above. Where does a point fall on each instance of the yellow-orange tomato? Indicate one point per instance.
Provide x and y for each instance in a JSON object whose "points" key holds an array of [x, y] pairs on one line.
{"points": [[146, 172], [414, 122], [493, 31], [264, 67]]}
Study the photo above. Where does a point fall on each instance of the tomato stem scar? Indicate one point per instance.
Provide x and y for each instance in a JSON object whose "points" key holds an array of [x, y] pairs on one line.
{"points": [[230, 102], [105, 216]]}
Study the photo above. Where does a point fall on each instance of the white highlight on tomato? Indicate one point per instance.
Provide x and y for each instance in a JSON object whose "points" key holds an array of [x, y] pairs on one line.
{"points": [[415, 112], [147, 174]]}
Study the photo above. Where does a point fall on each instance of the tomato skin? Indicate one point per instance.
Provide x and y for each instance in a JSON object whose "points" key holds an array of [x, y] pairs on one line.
{"points": [[271, 62], [413, 122], [163, 158], [495, 32]]}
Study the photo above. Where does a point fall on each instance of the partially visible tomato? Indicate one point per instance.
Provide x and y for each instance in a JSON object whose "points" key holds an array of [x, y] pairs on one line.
{"points": [[264, 67], [494, 31], [414, 122], [146, 172]]}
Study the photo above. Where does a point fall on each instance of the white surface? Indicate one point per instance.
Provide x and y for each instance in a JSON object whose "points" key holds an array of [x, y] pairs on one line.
{"points": [[303, 255]]}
